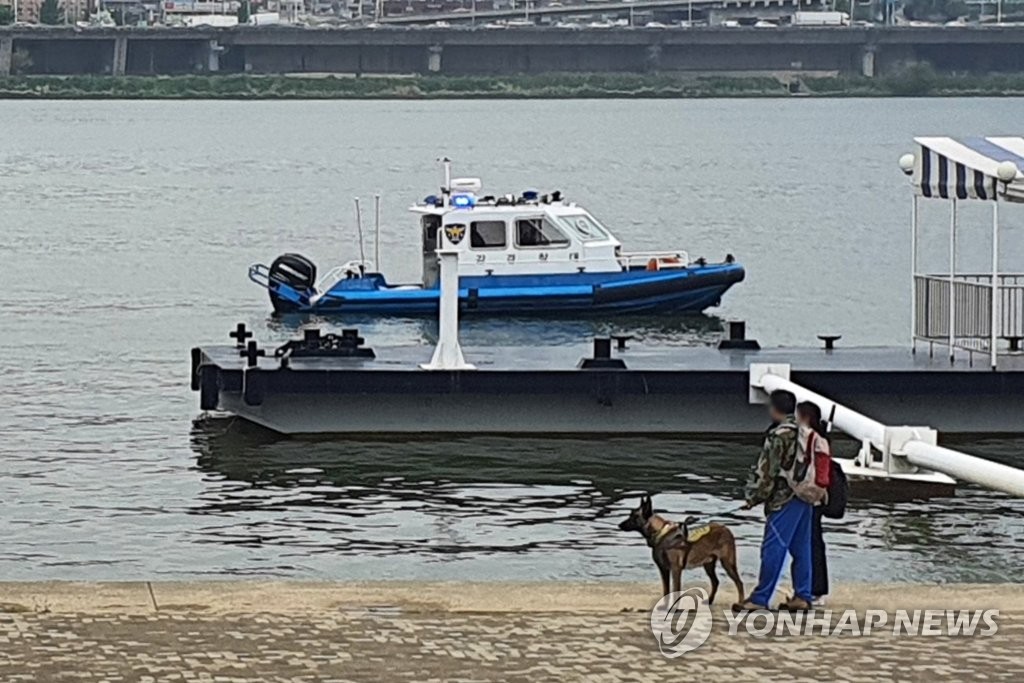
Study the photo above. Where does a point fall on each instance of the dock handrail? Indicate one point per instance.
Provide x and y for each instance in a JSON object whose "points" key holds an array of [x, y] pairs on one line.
{"points": [[900, 446], [971, 309]]}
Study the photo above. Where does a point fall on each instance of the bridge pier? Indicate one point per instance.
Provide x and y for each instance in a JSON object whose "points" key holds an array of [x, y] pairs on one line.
{"points": [[867, 61], [434, 53], [653, 58], [6, 55], [119, 61], [213, 50]]}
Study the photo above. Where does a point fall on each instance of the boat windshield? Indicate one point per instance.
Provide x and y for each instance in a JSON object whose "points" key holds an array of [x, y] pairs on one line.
{"points": [[584, 225]]}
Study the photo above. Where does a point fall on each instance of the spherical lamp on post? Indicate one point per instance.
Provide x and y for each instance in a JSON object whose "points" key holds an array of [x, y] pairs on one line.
{"points": [[1007, 171], [907, 164]]}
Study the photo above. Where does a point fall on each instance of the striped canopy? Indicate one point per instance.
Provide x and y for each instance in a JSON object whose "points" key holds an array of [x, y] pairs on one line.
{"points": [[965, 168]]}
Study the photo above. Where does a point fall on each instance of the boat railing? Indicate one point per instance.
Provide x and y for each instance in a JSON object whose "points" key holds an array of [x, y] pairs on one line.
{"points": [[963, 318], [351, 269], [260, 274], [654, 260]]}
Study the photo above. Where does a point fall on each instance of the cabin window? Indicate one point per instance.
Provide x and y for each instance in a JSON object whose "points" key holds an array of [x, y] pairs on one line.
{"points": [[487, 235], [585, 226], [537, 232], [431, 224]]}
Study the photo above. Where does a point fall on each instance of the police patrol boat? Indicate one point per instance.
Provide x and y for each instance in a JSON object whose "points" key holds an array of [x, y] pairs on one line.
{"points": [[528, 254]]}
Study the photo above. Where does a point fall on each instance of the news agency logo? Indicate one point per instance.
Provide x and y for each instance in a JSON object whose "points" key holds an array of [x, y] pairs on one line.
{"points": [[681, 621]]}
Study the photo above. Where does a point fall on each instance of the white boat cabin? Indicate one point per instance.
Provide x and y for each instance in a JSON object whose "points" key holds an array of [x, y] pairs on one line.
{"points": [[529, 234]]}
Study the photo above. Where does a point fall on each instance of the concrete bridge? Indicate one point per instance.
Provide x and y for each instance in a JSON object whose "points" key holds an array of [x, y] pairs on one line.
{"points": [[712, 9], [448, 51]]}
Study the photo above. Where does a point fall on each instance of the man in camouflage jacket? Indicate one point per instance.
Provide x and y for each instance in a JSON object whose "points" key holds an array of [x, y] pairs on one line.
{"points": [[787, 527]]}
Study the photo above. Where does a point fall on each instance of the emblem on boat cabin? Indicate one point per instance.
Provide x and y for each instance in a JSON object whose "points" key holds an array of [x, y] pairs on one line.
{"points": [[455, 232]]}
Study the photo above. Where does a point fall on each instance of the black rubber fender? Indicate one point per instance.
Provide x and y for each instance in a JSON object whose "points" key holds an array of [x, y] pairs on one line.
{"points": [[197, 356], [209, 387], [254, 383]]}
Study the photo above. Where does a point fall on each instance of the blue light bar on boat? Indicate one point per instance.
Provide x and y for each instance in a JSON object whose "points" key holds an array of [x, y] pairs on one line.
{"points": [[463, 201], [530, 195]]}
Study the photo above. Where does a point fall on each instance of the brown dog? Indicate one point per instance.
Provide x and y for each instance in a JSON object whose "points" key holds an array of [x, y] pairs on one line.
{"points": [[676, 547]]}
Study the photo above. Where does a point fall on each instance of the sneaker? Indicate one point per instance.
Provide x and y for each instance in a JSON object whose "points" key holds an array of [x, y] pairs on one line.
{"points": [[820, 600]]}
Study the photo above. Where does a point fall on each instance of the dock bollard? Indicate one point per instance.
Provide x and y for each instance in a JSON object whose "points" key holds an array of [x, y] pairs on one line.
{"points": [[252, 353], [602, 358], [620, 341], [240, 335], [830, 340], [737, 338]]}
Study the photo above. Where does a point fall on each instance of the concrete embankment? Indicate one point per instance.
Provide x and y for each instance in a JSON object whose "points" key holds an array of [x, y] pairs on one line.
{"points": [[296, 631]]}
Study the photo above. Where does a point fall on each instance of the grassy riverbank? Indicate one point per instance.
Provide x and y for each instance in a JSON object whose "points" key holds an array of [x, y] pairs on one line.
{"points": [[916, 81]]}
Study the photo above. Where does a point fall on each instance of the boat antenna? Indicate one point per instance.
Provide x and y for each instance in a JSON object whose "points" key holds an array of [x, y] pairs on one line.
{"points": [[359, 228], [376, 232], [446, 189]]}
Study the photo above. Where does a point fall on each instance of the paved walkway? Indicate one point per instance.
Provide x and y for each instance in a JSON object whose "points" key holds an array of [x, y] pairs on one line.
{"points": [[249, 631]]}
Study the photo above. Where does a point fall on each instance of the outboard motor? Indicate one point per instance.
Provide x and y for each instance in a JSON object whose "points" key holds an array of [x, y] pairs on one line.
{"points": [[292, 282]]}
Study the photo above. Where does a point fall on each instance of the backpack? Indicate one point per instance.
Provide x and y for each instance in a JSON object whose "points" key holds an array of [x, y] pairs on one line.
{"points": [[803, 477], [834, 506], [822, 461]]}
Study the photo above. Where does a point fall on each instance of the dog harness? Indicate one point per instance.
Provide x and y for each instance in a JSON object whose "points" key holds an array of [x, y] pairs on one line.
{"points": [[663, 533]]}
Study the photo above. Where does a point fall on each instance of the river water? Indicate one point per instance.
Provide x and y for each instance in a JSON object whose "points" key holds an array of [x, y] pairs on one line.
{"points": [[127, 228]]}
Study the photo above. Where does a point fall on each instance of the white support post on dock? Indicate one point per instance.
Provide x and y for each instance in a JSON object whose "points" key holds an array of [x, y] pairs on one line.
{"points": [[448, 354], [913, 446]]}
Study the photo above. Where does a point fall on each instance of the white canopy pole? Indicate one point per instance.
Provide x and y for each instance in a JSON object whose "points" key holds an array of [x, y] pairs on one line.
{"points": [[994, 327], [952, 278], [915, 223]]}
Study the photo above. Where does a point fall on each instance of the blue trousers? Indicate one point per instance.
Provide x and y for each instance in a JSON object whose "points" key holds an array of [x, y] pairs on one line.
{"points": [[787, 530]]}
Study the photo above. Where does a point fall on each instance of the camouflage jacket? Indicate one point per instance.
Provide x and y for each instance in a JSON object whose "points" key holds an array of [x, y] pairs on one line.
{"points": [[766, 483]]}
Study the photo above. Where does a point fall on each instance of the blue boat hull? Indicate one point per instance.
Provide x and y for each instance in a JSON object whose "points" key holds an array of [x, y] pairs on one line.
{"points": [[688, 290]]}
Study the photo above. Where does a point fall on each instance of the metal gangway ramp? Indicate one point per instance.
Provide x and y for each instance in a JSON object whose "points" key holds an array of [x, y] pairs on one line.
{"points": [[906, 454]]}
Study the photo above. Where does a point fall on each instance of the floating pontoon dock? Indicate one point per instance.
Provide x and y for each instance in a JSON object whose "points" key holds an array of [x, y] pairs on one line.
{"points": [[333, 383], [599, 389]]}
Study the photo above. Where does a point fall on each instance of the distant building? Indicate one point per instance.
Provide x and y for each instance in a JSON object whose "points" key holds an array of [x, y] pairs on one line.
{"points": [[28, 10]]}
